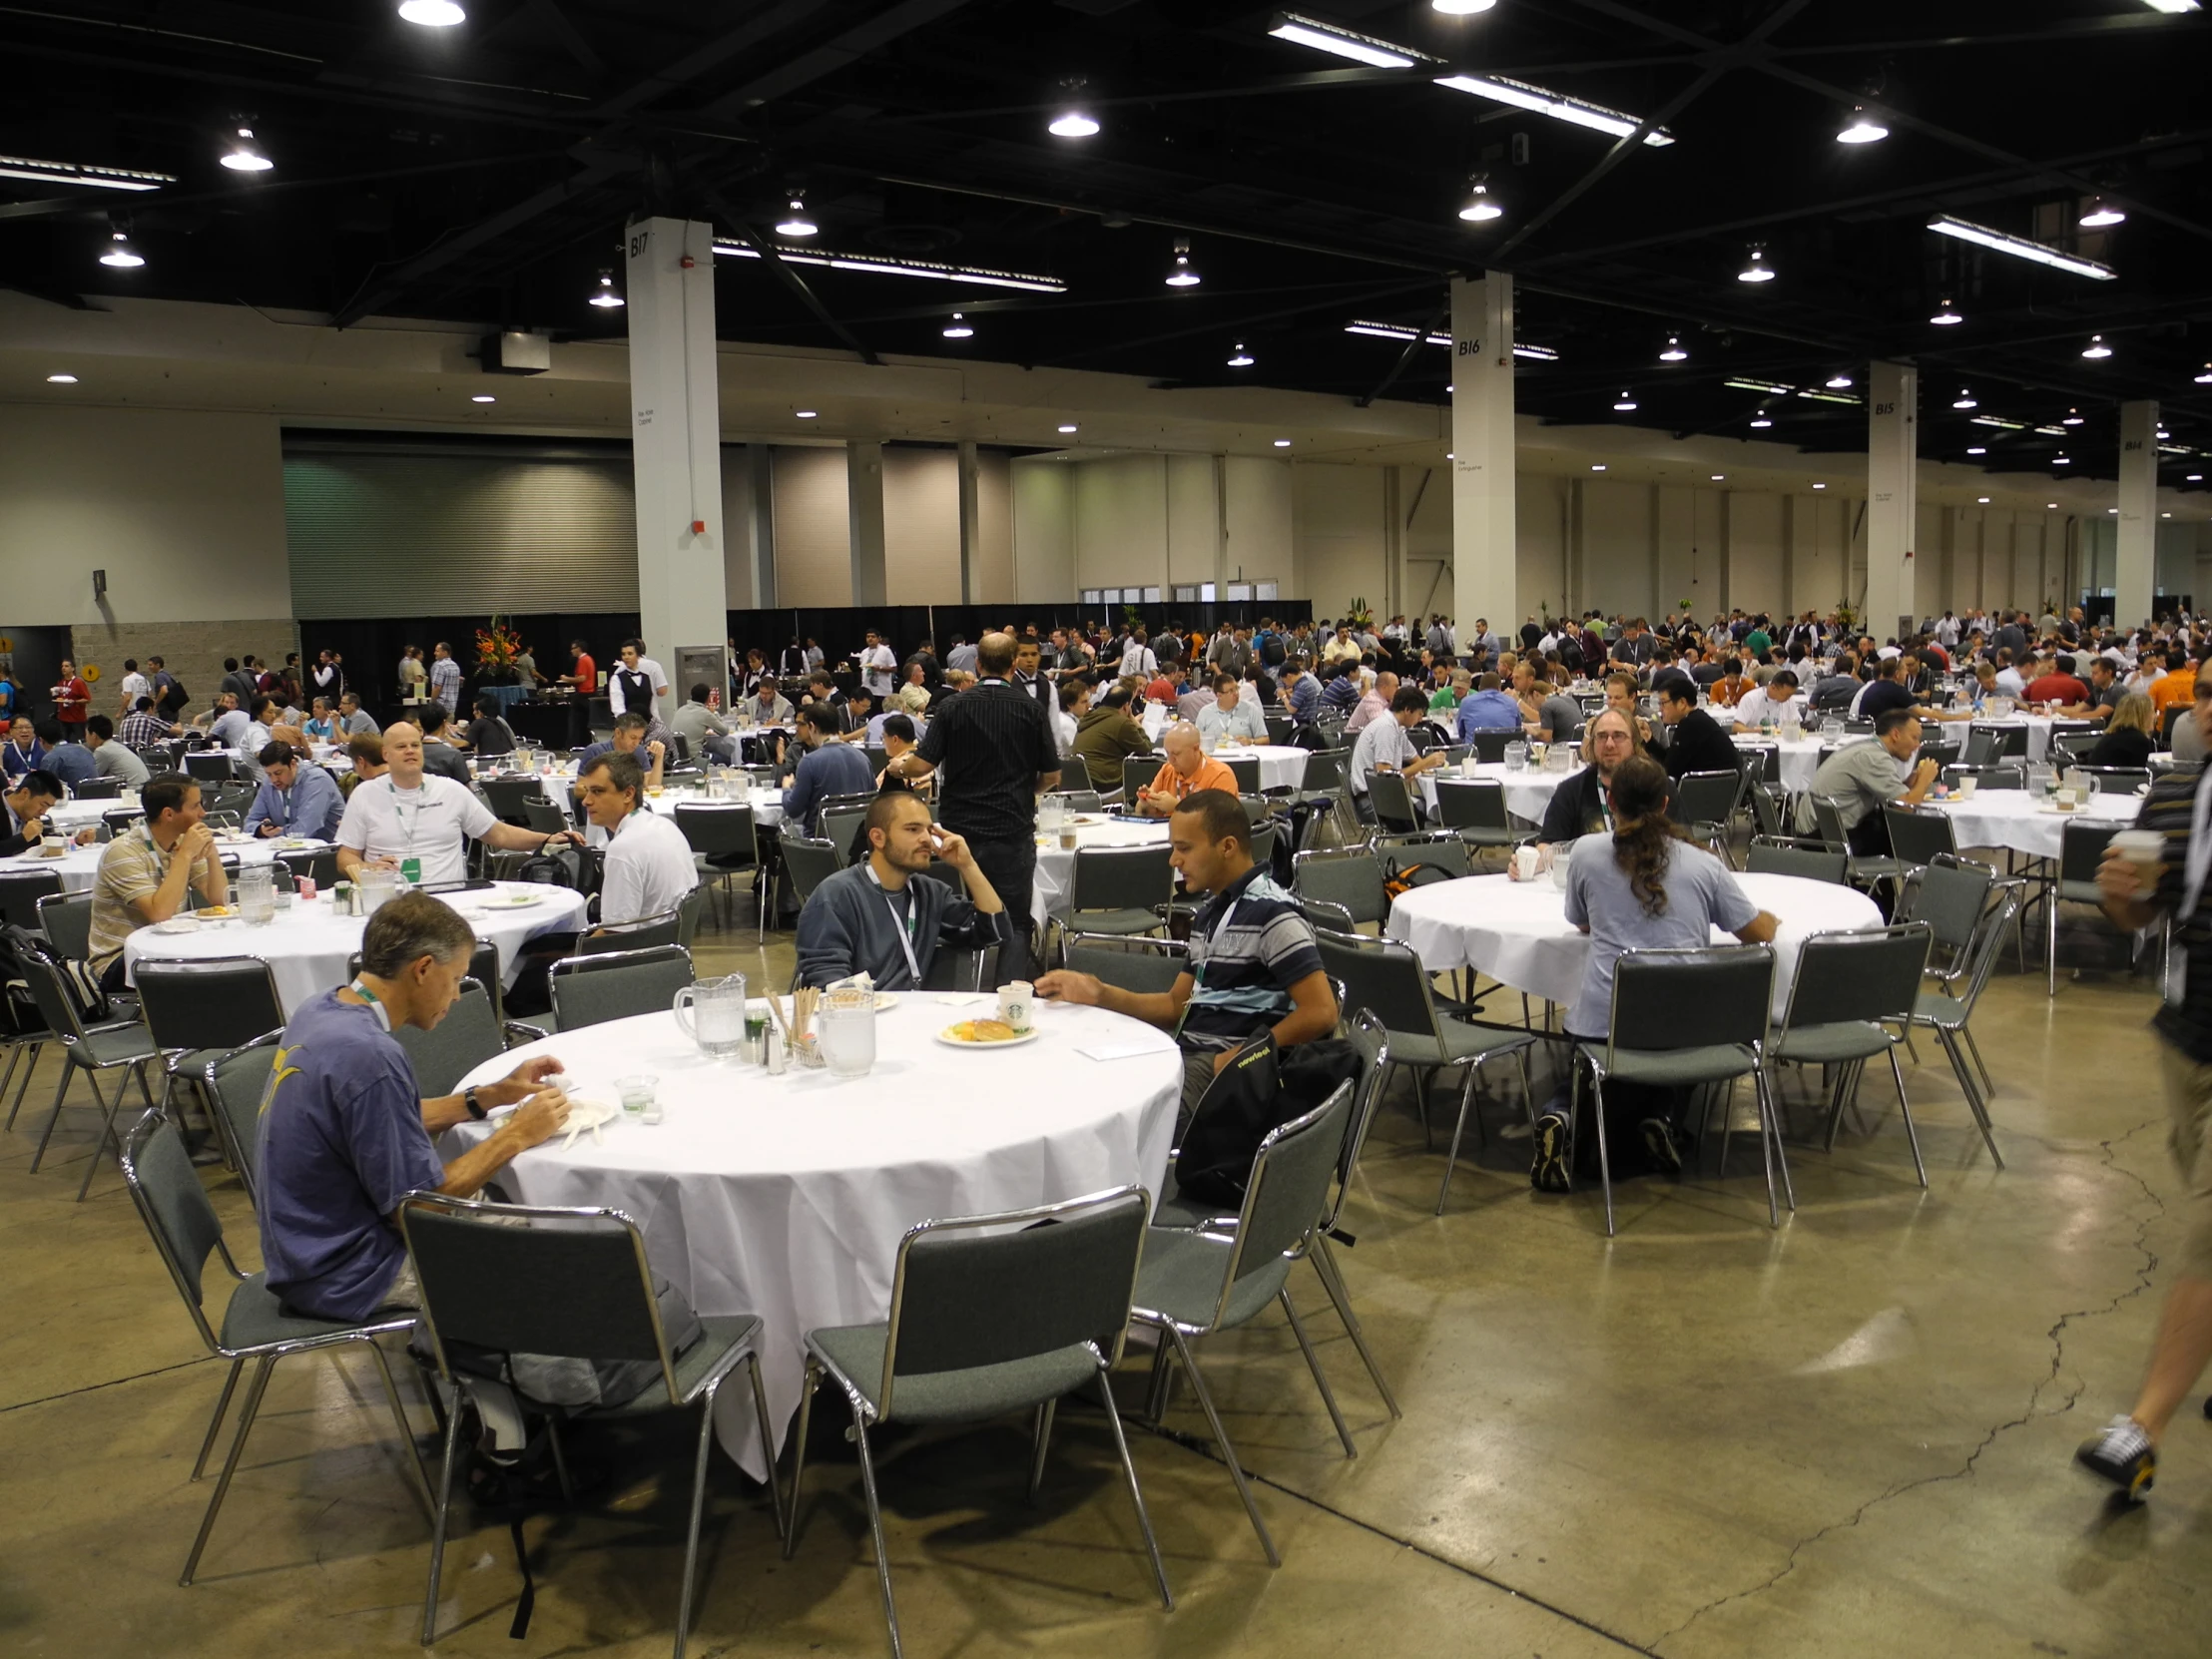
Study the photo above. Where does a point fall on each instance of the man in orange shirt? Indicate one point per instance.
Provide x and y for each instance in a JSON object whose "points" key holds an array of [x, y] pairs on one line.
{"points": [[1189, 769], [2177, 685], [585, 676], [1730, 688]]}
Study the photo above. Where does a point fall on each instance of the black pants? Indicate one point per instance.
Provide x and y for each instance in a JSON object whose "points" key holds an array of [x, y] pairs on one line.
{"points": [[1869, 837], [1011, 868]]}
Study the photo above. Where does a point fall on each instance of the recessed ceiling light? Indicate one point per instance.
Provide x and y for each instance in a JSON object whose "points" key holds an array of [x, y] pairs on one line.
{"points": [[483, 397], [1597, 466], [2050, 506], [1282, 444], [1674, 353], [1180, 274], [604, 295], [431, 14], [1981, 500], [121, 255], [2097, 216], [1862, 128], [1820, 486], [2114, 511], [1945, 316], [803, 414], [61, 379], [1241, 358], [796, 223], [1067, 426], [2096, 348], [1719, 476], [1756, 271], [959, 328], [245, 156]]}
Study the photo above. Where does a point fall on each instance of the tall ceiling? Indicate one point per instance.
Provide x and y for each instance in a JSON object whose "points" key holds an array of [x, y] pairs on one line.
{"points": [[485, 171]]}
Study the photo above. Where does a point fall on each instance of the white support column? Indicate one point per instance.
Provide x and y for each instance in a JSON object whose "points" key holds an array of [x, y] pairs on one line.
{"points": [[1484, 567], [970, 537], [1893, 498], [676, 447], [2135, 580], [864, 483]]}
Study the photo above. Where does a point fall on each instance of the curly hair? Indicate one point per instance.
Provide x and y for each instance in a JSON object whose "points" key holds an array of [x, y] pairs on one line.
{"points": [[1645, 840]]}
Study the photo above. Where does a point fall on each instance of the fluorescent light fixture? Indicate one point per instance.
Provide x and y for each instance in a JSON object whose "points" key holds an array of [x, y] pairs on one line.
{"points": [[2097, 216], [1862, 128], [1480, 207], [1945, 316], [245, 156], [1399, 332], [78, 172], [2096, 348], [1981, 500], [1535, 354], [870, 265], [1180, 274], [2173, 7], [2052, 431], [1832, 397], [803, 414], [1674, 353], [1759, 385], [1341, 42], [483, 397], [1522, 96], [431, 14], [1597, 466], [1461, 8], [959, 328], [1978, 449], [61, 379], [2019, 248], [1757, 271], [604, 296], [796, 223], [1073, 123], [121, 255], [1625, 404], [1068, 426], [1282, 444], [1241, 358]]}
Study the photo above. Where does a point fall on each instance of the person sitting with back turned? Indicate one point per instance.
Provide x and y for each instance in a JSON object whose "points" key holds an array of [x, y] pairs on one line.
{"points": [[489, 735], [66, 757], [1867, 774], [1490, 709], [827, 768], [704, 731], [297, 797], [883, 917], [1253, 964], [112, 759], [366, 751]]}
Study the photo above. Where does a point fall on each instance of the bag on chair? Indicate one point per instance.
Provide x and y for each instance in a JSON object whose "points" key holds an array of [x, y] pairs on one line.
{"points": [[1257, 1092]]}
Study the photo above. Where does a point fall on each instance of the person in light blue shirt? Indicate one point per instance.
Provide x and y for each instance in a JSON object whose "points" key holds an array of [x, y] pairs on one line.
{"points": [[71, 762], [1230, 716], [829, 768], [322, 723], [297, 797], [1488, 709]]}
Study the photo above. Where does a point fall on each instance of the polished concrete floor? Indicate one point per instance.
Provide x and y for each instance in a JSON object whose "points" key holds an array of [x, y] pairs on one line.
{"points": [[1701, 1438]]}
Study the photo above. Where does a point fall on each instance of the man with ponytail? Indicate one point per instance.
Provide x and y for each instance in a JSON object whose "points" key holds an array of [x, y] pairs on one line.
{"points": [[1649, 890]]}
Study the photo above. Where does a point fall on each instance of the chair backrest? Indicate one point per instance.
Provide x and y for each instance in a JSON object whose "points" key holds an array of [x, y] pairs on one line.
{"points": [[1121, 878], [1704, 997], [542, 817], [174, 1205], [212, 1002], [689, 912], [238, 1083], [96, 789], [20, 893], [588, 990], [1769, 855], [319, 865], [721, 833], [2082, 847], [842, 830], [1436, 848], [1247, 771], [1075, 774], [1381, 977], [1858, 976], [1988, 776], [664, 928], [809, 862], [66, 919], [1490, 743], [207, 766], [2117, 780], [1917, 836], [1325, 770], [1393, 801], [1705, 798], [1354, 881], [1828, 821], [1366, 1033], [1263, 843], [1289, 1190], [1145, 966], [1951, 895], [510, 1279], [469, 1036], [1078, 801], [50, 989], [992, 1290], [1471, 803], [509, 797]]}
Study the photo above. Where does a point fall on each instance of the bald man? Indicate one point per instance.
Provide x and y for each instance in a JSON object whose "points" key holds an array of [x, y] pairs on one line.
{"points": [[407, 815]]}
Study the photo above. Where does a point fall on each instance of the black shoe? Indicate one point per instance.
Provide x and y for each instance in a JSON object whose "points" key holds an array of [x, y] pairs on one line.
{"points": [[2208, 1405], [1659, 1147], [2121, 1453], [1549, 1172]]}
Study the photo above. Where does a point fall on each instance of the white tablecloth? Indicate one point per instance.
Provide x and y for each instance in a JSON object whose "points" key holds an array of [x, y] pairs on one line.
{"points": [[72, 815], [80, 864], [306, 947], [1517, 932], [786, 1197], [1528, 792], [1281, 766], [1801, 758], [2039, 730], [2016, 819], [1056, 865]]}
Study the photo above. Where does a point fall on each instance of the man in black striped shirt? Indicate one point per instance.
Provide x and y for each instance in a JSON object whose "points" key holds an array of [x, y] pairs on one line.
{"points": [[994, 752]]}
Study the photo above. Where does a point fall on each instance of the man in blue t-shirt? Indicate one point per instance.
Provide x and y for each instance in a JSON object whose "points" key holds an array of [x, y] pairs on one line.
{"points": [[346, 1133]]}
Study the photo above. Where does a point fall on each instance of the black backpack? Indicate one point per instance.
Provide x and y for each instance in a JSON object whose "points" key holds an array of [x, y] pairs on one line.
{"points": [[1257, 1092]]}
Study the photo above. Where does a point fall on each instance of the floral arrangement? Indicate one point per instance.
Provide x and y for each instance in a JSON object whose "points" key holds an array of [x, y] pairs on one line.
{"points": [[1361, 616], [497, 647]]}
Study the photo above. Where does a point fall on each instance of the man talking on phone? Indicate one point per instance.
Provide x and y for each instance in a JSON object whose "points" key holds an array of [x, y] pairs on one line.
{"points": [[874, 918]]}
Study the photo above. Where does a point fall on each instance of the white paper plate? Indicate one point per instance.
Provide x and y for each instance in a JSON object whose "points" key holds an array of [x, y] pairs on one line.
{"points": [[177, 924], [1028, 1036], [510, 900]]}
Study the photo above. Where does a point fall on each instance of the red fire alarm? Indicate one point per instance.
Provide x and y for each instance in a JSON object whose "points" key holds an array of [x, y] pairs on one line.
{"points": [[699, 527], [687, 262]]}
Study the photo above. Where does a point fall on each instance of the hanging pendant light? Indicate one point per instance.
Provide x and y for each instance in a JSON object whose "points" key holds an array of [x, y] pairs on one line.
{"points": [[604, 295], [1480, 209], [121, 255], [1947, 315], [1180, 274], [431, 14], [1965, 400], [245, 156], [1862, 128], [1757, 271], [959, 328], [1241, 358], [2096, 348], [1674, 353], [2097, 216], [796, 223]]}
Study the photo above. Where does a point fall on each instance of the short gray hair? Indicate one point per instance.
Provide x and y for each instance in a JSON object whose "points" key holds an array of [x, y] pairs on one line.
{"points": [[408, 928]]}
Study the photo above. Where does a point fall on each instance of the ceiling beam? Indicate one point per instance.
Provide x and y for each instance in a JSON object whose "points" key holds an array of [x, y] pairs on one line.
{"points": [[789, 277], [1436, 319]]}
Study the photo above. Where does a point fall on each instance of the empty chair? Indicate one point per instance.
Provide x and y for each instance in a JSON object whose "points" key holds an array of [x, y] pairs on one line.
{"points": [[569, 1283], [1474, 808], [97, 788], [2080, 850], [2117, 780], [471, 1033], [590, 989], [1119, 890], [1490, 744], [1433, 850], [193, 1009], [690, 910], [723, 845], [1145, 966], [255, 1325], [1078, 801], [207, 766], [1919, 836], [20, 892], [1075, 775], [1247, 771], [1850, 1002], [990, 1316], [1348, 884], [318, 865], [509, 797], [543, 816], [1986, 777], [1768, 856], [89, 1049], [1946, 1012], [235, 1084], [1703, 803], [1864, 870]]}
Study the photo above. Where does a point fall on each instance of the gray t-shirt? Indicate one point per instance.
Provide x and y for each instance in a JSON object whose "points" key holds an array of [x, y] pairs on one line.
{"points": [[1562, 717], [1863, 777], [1702, 893]]}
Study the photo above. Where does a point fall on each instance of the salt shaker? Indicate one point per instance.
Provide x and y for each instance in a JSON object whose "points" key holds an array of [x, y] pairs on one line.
{"points": [[775, 1052]]}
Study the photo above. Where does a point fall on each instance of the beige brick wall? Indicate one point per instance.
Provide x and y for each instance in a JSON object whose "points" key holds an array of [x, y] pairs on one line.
{"points": [[194, 650]]}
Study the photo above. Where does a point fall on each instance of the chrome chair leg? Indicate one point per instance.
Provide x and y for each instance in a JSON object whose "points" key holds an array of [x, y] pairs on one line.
{"points": [[1988, 1083], [799, 1455], [252, 1404], [698, 1504], [1221, 1440], [1042, 1440], [875, 1526], [1604, 1157], [22, 1084], [1136, 1492], [1312, 1364], [1458, 1129], [399, 1422], [1160, 1384], [1975, 1102], [214, 1423], [438, 1520], [1332, 1278], [61, 1093], [1911, 1134], [2050, 945], [768, 1443]]}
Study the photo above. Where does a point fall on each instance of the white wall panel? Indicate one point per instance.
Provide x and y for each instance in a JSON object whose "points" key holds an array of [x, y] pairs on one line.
{"points": [[921, 525], [1541, 545], [1618, 547], [1121, 523], [993, 553], [1756, 559], [1341, 537], [814, 527], [1042, 497], [1261, 520], [1194, 519]]}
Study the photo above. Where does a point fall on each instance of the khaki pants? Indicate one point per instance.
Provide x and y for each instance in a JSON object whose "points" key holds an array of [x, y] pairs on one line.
{"points": [[2189, 1105]]}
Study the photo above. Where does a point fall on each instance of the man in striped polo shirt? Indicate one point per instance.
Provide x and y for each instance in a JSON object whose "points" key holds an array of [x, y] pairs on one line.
{"points": [[1253, 966]]}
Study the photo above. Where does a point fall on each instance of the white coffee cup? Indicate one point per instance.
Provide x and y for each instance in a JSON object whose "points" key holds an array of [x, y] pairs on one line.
{"points": [[1526, 860], [2146, 851], [1017, 1003], [1965, 785]]}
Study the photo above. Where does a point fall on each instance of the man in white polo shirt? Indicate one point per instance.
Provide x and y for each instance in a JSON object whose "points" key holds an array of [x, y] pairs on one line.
{"points": [[405, 814], [649, 867]]}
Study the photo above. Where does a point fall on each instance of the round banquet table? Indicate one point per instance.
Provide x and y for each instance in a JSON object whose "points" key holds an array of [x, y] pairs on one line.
{"points": [[1517, 932], [307, 947], [1799, 757], [1055, 878], [2039, 730], [786, 1197], [1281, 766], [2018, 820], [80, 864], [70, 816], [1528, 792]]}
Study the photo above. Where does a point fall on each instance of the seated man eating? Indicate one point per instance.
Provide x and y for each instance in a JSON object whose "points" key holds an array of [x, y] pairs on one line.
{"points": [[877, 918], [1253, 966]]}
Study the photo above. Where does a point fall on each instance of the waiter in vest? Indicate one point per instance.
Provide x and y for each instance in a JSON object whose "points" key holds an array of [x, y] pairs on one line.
{"points": [[636, 684], [1028, 658]]}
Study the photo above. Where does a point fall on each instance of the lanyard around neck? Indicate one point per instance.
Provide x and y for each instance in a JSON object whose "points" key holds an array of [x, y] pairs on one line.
{"points": [[904, 924]]}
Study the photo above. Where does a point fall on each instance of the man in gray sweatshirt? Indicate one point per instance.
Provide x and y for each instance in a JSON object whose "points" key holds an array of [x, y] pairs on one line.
{"points": [[877, 918]]}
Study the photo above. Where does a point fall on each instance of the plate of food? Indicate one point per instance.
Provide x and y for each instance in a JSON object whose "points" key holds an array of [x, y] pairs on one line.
{"points": [[510, 900], [215, 912], [984, 1033]]}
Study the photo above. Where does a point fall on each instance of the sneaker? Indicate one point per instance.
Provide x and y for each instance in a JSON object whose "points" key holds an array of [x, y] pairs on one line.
{"points": [[1659, 1146], [2122, 1455], [1549, 1172]]}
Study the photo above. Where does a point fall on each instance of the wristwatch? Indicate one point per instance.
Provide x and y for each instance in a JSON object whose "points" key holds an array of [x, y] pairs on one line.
{"points": [[475, 1106]]}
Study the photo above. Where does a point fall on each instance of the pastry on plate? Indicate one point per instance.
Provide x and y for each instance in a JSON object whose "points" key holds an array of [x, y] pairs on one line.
{"points": [[982, 1032]]}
